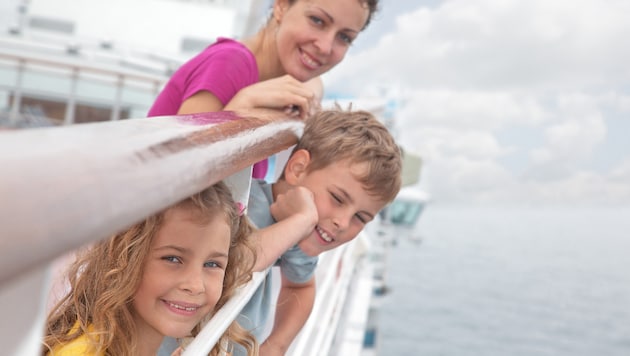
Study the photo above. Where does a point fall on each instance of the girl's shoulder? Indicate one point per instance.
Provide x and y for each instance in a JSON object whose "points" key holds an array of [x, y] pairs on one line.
{"points": [[82, 345]]}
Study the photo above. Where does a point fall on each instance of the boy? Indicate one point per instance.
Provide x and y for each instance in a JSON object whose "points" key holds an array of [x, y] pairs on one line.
{"points": [[344, 170]]}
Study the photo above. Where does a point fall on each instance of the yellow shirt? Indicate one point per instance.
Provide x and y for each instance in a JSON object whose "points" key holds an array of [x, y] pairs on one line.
{"points": [[79, 346]]}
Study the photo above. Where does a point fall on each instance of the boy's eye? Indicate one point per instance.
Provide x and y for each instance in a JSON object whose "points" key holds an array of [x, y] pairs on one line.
{"points": [[362, 219], [336, 198]]}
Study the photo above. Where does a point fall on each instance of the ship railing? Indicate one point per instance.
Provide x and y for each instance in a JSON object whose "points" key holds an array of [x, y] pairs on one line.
{"points": [[65, 187], [74, 86]]}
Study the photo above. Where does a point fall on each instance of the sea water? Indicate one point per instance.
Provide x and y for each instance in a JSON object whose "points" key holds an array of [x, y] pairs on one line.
{"points": [[510, 282]]}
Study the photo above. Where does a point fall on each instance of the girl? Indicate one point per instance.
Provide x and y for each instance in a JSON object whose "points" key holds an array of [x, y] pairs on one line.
{"points": [[302, 40], [161, 277]]}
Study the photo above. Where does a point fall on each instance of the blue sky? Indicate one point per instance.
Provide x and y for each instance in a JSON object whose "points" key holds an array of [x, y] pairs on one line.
{"points": [[508, 101]]}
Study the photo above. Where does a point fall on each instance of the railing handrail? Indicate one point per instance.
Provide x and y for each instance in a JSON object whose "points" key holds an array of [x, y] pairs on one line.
{"points": [[113, 174]]}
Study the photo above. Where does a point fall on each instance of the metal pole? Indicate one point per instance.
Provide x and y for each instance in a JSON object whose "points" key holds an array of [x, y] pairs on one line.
{"points": [[118, 98], [71, 103], [14, 116]]}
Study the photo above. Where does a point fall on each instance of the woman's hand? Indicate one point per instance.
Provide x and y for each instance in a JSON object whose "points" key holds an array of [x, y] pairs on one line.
{"points": [[283, 93]]}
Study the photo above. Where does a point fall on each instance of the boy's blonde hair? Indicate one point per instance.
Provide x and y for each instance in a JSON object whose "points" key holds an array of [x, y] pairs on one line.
{"points": [[358, 137], [105, 277]]}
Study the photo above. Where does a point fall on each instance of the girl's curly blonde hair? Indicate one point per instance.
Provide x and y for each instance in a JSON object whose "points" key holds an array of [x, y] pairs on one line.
{"points": [[105, 276]]}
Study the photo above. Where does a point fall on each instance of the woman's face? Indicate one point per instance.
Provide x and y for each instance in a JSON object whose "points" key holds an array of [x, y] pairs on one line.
{"points": [[314, 35]]}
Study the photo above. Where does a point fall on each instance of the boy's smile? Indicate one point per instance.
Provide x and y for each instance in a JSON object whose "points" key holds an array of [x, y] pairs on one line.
{"points": [[343, 205]]}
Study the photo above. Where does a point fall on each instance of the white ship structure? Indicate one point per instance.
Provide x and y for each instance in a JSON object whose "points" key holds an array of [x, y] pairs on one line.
{"points": [[78, 70]]}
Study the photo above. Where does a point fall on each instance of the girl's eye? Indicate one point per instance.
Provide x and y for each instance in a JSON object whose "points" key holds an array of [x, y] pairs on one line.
{"points": [[173, 259], [336, 197], [211, 264]]}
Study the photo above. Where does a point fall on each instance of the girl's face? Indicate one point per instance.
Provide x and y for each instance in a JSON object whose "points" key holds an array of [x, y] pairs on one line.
{"points": [[183, 275], [314, 35]]}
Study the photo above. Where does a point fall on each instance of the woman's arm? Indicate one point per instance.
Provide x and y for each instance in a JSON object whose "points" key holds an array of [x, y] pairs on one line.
{"points": [[203, 101]]}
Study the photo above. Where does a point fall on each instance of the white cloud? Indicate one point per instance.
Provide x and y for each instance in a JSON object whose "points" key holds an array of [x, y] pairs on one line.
{"points": [[469, 70], [500, 45], [471, 109], [621, 173], [444, 143]]}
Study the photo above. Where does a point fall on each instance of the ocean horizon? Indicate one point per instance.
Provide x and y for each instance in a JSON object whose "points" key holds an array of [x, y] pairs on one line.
{"points": [[510, 282]]}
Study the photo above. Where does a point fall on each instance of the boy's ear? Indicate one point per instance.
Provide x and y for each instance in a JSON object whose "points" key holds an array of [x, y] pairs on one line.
{"points": [[296, 166]]}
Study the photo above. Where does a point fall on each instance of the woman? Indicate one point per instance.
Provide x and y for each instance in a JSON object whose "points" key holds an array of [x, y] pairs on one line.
{"points": [[302, 40]]}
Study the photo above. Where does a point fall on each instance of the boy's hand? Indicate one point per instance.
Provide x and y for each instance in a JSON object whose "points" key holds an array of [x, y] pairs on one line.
{"points": [[296, 217], [297, 201]]}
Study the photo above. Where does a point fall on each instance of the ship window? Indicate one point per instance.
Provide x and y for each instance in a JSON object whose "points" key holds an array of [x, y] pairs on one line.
{"points": [[49, 24], [404, 213]]}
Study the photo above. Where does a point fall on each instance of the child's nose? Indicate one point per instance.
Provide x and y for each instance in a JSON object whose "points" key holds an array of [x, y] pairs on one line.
{"points": [[193, 281], [342, 220]]}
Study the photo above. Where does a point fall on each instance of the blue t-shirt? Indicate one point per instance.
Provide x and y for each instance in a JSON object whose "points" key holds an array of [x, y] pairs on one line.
{"points": [[294, 264]]}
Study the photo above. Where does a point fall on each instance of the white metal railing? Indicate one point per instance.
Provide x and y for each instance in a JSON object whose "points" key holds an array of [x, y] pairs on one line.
{"points": [[337, 274], [212, 331], [64, 187], [115, 76]]}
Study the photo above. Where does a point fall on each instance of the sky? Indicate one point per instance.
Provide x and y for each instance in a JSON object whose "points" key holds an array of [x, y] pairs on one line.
{"points": [[523, 102], [508, 102]]}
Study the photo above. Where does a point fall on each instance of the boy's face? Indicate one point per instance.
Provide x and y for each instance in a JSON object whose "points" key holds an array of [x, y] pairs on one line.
{"points": [[343, 205]]}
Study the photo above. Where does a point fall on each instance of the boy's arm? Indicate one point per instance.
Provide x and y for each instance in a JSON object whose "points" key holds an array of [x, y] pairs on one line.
{"points": [[294, 305], [273, 240], [296, 216]]}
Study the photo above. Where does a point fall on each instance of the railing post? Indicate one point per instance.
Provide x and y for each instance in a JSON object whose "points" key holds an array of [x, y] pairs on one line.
{"points": [[118, 98], [17, 94], [71, 103]]}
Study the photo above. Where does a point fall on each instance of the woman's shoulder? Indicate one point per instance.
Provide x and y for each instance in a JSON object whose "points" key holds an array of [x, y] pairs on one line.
{"points": [[228, 45]]}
